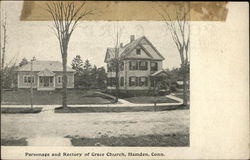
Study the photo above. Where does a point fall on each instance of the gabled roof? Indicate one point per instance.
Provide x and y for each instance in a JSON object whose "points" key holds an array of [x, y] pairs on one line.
{"points": [[42, 65], [126, 50], [45, 72]]}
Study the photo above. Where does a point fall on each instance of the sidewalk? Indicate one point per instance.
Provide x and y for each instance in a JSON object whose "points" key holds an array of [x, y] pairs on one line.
{"points": [[49, 141]]}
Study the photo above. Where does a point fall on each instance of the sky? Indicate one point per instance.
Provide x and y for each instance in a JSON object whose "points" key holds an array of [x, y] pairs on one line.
{"points": [[90, 39]]}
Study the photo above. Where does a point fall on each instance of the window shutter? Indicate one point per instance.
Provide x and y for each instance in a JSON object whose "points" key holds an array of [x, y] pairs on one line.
{"points": [[156, 66], [137, 65], [146, 65], [146, 81], [129, 81], [139, 79], [130, 65]]}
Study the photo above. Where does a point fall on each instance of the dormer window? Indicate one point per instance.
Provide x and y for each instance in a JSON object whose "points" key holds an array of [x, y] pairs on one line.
{"points": [[138, 51]]}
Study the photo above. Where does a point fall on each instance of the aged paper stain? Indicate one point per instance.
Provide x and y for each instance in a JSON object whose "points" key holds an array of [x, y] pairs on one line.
{"points": [[132, 10]]}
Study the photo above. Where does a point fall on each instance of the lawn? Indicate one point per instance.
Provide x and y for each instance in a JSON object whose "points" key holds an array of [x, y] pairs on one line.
{"points": [[20, 110], [14, 142], [150, 99], [144, 140], [22, 97]]}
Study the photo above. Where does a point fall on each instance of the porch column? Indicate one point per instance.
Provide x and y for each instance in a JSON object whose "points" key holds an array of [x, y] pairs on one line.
{"points": [[54, 81], [38, 82]]}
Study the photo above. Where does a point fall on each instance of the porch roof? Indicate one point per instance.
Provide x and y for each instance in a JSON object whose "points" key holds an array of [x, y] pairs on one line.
{"points": [[46, 72], [160, 73]]}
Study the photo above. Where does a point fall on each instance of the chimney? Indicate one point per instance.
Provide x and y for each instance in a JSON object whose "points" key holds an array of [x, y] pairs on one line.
{"points": [[121, 45], [132, 38]]}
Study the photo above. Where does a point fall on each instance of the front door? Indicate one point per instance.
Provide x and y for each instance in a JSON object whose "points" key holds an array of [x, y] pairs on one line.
{"points": [[46, 81]]}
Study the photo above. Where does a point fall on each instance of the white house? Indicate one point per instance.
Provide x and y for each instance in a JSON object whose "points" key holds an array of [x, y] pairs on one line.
{"points": [[45, 75], [140, 61]]}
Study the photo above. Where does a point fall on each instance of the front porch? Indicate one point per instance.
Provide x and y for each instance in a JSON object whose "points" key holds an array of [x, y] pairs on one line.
{"points": [[46, 80]]}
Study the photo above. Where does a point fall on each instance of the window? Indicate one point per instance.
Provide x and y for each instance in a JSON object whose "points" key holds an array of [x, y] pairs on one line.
{"points": [[138, 51], [41, 79], [133, 65], [143, 65], [110, 68], [154, 66], [143, 81], [111, 81], [51, 79], [121, 66], [133, 81], [25, 79], [29, 79], [59, 79], [122, 81]]}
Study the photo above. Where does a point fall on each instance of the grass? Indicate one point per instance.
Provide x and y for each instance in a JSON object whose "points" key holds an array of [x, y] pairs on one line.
{"points": [[75, 96], [144, 140], [150, 99], [113, 109], [6, 110], [14, 142]]}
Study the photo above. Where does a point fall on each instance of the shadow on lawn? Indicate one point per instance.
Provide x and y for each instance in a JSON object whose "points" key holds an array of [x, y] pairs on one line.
{"points": [[144, 140], [7, 110], [14, 142], [114, 109]]}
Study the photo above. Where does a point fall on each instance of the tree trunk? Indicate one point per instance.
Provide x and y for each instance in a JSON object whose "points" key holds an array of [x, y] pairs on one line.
{"points": [[184, 84], [1, 78], [65, 81], [117, 81]]}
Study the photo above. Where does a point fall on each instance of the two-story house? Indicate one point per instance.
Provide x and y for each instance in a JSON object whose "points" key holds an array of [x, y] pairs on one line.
{"points": [[139, 62]]}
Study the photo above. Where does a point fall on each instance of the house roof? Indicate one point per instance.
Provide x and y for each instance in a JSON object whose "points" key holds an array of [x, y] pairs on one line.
{"points": [[124, 52], [43, 65]]}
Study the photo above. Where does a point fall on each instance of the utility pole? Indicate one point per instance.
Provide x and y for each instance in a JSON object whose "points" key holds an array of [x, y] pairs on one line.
{"points": [[31, 82], [2, 55]]}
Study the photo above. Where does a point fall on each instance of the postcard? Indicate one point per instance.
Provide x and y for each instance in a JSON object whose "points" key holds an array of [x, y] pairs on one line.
{"points": [[124, 80]]}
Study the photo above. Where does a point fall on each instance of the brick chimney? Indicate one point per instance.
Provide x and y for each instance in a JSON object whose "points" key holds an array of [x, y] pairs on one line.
{"points": [[121, 45], [132, 38]]}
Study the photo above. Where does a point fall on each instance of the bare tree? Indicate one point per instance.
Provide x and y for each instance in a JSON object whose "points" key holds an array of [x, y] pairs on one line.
{"points": [[66, 16], [178, 26], [116, 60], [2, 54]]}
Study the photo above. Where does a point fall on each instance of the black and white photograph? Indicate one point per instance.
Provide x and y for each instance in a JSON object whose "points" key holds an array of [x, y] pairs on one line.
{"points": [[105, 74], [68, 82]]}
